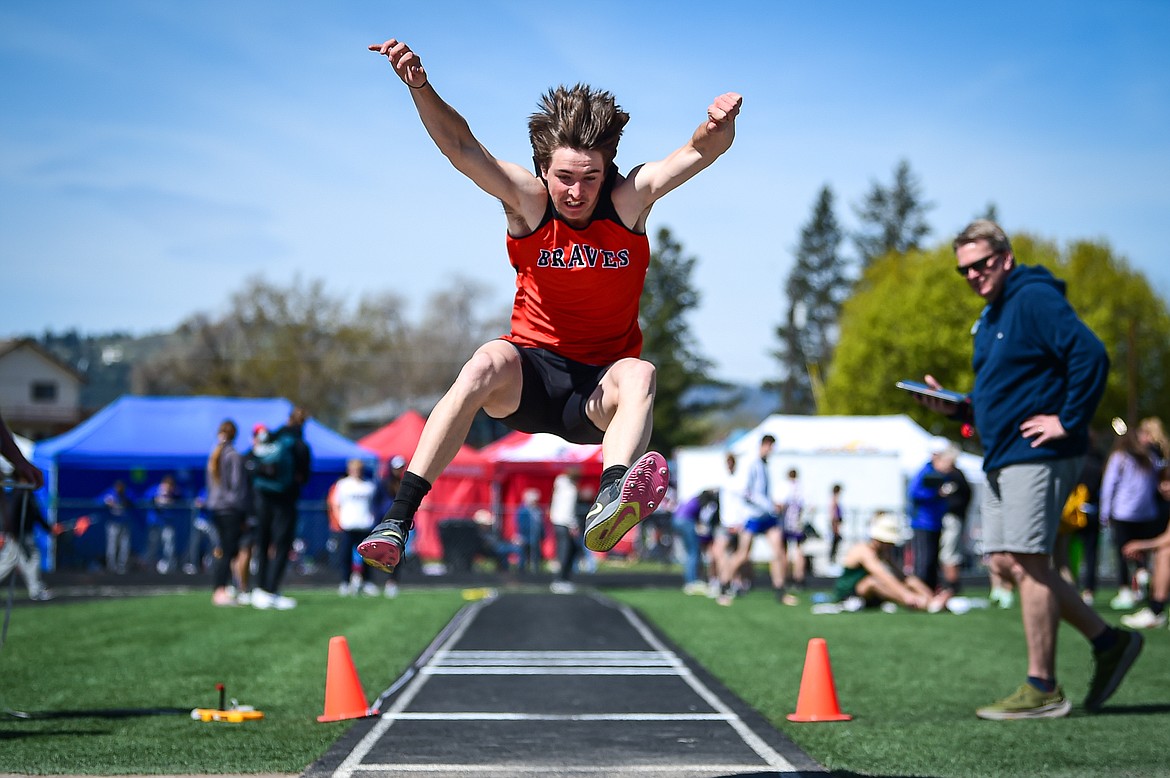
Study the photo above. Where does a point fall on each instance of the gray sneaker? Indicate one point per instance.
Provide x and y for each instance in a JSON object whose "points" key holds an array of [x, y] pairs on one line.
{"points": [[1110, 667], [627, 501], [1027, 702]]}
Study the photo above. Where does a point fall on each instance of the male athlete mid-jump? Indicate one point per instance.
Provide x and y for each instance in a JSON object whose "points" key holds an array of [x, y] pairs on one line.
{"points": [[577, 240]]}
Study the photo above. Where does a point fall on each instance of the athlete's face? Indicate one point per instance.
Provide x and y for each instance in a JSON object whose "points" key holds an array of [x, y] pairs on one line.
{"points": [[574, 181]]}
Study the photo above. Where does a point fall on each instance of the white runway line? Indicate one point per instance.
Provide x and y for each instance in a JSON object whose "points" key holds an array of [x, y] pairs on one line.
{"points": [[525, 768], [659, 661], [494, 716], [757, 744]]}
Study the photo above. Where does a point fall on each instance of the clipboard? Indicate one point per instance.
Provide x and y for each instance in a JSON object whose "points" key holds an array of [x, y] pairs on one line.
{"points": [[921, 389]]}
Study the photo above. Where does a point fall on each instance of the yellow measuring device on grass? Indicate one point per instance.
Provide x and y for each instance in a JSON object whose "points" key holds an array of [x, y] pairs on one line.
{"points": [[236, 714]]}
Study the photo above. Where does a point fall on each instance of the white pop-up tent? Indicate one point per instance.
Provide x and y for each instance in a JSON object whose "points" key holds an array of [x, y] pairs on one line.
{"points": [[872, 457], [26, 447]]}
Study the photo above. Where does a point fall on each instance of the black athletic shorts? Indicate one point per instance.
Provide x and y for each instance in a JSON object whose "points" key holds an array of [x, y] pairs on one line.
{"points": [[553, 396]]}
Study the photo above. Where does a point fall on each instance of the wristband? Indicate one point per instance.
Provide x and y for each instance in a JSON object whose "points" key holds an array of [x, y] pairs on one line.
{"points": [[420, 87]]}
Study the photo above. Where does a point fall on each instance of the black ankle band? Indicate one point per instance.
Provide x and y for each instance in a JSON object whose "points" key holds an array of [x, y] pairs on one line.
{"points": [[411, 492]]}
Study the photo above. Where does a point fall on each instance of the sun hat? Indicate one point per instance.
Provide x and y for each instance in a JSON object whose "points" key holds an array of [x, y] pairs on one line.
{"points": [[885, 528]]}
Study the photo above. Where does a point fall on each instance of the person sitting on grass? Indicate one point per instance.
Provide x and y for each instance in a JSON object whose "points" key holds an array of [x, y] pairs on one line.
{"points": [[491, 545], [866, 575], [1153, 615]]}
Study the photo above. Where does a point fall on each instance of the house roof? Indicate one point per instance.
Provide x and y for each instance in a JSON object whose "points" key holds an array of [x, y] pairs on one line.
{"points": [[8, 346]]}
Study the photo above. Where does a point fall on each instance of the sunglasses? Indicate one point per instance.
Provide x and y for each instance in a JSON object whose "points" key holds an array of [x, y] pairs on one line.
{"points": [[978, 265]]}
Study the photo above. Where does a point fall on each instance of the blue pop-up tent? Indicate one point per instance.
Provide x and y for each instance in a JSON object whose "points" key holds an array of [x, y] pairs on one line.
{"points": [[140, 439]]}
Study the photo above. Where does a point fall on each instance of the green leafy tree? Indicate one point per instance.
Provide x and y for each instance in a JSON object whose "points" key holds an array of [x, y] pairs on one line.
{"points": [[816, 287], [1118, 303], [671, 347], [893, 219], [911, 315]]}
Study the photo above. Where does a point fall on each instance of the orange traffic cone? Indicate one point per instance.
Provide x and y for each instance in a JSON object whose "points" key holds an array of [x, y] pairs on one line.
{"points": [[344, 698], [818, 695]]}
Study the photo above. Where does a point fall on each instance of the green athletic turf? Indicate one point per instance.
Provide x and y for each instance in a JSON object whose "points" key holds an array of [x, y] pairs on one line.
{"points": [[911, 681]]}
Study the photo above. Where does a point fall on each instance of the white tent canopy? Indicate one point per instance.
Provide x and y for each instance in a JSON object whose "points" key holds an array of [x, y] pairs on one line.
{"points": [[26, 447], [899, 435], [872, 457]]}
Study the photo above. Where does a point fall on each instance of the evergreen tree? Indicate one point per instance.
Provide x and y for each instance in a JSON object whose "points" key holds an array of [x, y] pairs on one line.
{"points": [[817, 286], [991, 213], [670, 346], [893, 219]]}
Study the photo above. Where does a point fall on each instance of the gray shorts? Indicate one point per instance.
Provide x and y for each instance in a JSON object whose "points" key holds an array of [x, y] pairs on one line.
{"points": [[950, 548], [1022, 505]]}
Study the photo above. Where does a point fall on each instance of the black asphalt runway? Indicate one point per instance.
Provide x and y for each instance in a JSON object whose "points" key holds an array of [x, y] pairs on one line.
{"points": [[538, 684]]}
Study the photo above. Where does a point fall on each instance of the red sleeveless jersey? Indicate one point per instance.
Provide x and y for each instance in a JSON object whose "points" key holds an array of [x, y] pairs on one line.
{"points": [[577, 290]]}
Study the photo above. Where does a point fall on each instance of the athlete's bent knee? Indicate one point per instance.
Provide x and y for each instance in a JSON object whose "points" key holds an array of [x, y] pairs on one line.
{"points": [[635, 377], [482, 374]]}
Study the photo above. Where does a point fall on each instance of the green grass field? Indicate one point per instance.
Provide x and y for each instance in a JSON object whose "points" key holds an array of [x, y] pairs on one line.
{"points": [[910, 680]]}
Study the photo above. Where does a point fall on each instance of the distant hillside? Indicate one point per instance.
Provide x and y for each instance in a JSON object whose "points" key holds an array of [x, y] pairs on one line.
{"points": [[106, 360], [733, 407]]}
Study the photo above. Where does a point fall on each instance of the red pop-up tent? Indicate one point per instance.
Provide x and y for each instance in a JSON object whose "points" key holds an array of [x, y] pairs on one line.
{"points": [[464, 487], [523, 461]]}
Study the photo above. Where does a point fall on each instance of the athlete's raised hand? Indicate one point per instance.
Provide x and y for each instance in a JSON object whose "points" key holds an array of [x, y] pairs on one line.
{"points": [[406, 63], [723, 111]]}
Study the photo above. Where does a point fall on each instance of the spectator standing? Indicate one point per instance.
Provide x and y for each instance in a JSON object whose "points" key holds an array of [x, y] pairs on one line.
{"points": [[282, 470], [761, 508], [242, 564], [795, 534], [529, 530], [1089, 536], [162, 504], [351, 500], [929, 492], [119, 520], [952, 549], [202, 539], [562, 513], [683, 527], [732, 514], [1039, 375], [227, 500], [836, 526]]}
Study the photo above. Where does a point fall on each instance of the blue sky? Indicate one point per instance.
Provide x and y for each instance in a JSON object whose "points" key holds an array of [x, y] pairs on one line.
{"points": [[155, 154]]}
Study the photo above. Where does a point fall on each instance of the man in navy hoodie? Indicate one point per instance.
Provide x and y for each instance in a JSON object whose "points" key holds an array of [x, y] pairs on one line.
{"points": [[1039, 374]]}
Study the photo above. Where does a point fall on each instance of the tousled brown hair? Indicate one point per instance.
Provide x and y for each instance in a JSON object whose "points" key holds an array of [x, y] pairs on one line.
{"points": [[580, 118]]}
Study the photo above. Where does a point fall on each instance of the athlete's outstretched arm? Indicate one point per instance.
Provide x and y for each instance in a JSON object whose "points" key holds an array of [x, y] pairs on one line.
{"points": [[509, 182], [652, 180]]}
